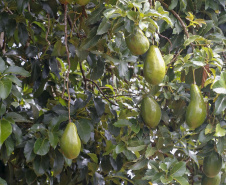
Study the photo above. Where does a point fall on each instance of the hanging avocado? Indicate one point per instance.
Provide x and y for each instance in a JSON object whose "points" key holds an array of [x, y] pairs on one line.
{"points": [[150, 112], [154, 66], [70, 142], [211, 181], [212, 164], [137, 43], [196, 111]]}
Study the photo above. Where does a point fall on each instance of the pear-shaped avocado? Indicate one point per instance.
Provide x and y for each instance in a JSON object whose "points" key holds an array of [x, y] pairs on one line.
{"points": [[211, 181], [212, 164], [137, 43], [196, 110], [154, 66], [70, 142], [150, 112]]}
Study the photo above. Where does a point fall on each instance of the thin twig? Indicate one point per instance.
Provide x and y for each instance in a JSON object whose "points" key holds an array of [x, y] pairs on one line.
{"points": [[177, 16], [8, 10], [83, 75], [47, 33], [101, 91], [174, 58], [167, 40], [69, 63]]}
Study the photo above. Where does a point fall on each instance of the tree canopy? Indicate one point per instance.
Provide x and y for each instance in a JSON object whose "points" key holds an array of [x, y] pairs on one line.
{"points": [[62, 63]]}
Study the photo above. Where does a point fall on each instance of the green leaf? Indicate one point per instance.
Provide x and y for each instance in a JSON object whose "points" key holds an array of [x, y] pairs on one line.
{"points": [[220, 104], [84, 128], [139, 165], [5, 131], [14, 79], [2, 65], [41, 146], [17, 117], [17, 134], [2, 109], [30, 176], [5, 86], [192, 39], [136, 148], [9, 143], [28, 151], [104, 26], [173, 4], [58, 163], [99, 106], [181, 180], [2, 181], [150, 151], [122, 123], [220, 132], [220, 85], [93, 157], [53, 138], [178, 169], [41, 164], [154, 165], [17, 70]]}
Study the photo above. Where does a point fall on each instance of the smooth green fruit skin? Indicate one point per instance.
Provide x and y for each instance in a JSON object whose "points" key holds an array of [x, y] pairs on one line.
{"points": [[154, 66], [137, 43], [70, 142], [150, 112], [196, 110], [212, 164], [82, 2], [211, 181]]}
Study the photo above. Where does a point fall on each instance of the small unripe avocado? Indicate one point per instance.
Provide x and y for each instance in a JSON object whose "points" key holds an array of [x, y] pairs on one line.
{"points": [[196, 110], [137, 43], [70, 143], [212, 164], [211, 181], [150, 112], [154, 66]]}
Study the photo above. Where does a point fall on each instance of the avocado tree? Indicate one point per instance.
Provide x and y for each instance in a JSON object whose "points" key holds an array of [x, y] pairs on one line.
{"points": [[112, 92]]}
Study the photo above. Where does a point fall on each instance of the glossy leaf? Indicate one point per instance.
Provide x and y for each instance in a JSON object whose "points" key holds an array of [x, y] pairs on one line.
{"points": [[5, 130]]}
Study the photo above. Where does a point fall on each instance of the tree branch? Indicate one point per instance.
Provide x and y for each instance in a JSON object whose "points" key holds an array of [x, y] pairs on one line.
{"points": [[167, 40], [83, 75], [101, 91], [177, 16], [69, 63]]}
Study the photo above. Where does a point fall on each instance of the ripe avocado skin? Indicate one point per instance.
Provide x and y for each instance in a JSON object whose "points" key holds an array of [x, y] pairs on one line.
{"points": [[196, 110], [212, 164], [70, 142], [150, 112], [154, 66], [137, 43], [211, 181]]}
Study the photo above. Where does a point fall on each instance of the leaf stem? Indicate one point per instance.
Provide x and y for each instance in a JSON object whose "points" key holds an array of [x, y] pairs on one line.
{"points": [[68, 60], [194, 76]]}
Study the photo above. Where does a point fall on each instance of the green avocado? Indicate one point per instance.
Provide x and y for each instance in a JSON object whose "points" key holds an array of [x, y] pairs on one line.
{"points": [[70, 142], [211, 181], [212, 164], [150, 112], [196, 110], [137, 43], [154, 66]]}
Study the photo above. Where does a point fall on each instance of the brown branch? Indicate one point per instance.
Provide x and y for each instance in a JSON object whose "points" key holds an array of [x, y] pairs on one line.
{"points": [[174, 58], [47, 33], [177, 16], [83, 75], [101, 91], [69, 63], [167, 40], [8, 10]]}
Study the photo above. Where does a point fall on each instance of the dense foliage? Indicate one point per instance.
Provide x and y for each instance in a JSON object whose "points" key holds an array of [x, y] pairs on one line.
{"points": [[105, 86]]}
